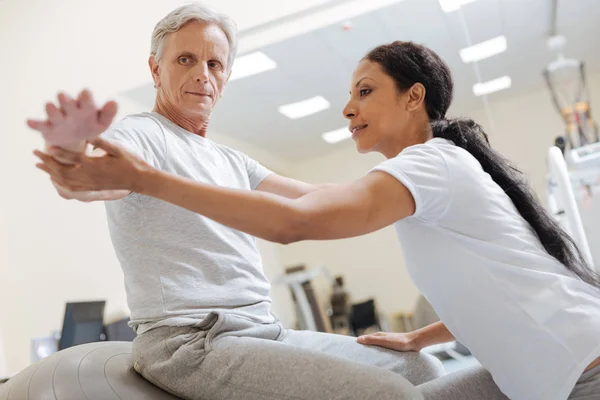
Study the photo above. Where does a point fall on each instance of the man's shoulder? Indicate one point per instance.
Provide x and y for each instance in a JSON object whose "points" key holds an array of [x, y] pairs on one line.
{"points": [[140, 121], [142, 126]]}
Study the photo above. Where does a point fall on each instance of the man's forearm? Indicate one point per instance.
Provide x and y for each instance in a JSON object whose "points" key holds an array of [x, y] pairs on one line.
{"points": [[435, 333]]}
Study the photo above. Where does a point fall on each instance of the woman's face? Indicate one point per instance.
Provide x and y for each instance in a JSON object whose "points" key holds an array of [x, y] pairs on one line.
{"points": [[382, 118]]}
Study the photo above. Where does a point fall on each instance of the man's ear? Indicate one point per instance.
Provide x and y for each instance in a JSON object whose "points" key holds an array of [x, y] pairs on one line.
{"points": [[155, 70]]}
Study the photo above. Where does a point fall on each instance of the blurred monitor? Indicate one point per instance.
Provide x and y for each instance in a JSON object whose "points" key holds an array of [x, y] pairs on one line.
{"points": [[83, 323], [119, 331]]}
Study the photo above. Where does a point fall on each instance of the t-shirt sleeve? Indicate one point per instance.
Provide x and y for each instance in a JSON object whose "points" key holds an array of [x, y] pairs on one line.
{"points": [[424, 171], [256, 171], [142, 136]]}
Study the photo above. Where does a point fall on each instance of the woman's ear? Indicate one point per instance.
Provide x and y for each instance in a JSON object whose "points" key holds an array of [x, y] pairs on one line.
{"points": [[416, 97]]}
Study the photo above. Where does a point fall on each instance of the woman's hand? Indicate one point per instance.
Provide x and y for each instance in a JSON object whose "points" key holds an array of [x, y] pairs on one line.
{"points": [[411, 341], [396, 341], [117, 169]]}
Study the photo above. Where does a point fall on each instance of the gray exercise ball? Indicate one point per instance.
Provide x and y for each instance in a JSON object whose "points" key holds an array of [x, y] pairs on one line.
{"points": [[95, 371]]}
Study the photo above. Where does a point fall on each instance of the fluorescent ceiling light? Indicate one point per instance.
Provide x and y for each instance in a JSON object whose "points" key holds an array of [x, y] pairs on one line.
{"points": [[492, 86], [453, 5], [251, 64], [305, 107], [484, 50], [337, 136]]}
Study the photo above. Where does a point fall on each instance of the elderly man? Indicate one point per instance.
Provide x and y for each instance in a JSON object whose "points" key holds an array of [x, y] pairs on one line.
{"points": [[199, 299]]}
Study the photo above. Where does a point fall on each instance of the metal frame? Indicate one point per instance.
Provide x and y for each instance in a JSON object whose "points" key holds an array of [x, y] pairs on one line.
{"points": [[562, 202]]}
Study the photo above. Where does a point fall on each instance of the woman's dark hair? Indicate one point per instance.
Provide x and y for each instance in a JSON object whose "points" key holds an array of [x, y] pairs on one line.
{"points": [[408, 63]]}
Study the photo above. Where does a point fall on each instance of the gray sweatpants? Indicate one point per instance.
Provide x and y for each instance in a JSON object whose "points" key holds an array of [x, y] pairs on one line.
{"points": [[227, 357]]}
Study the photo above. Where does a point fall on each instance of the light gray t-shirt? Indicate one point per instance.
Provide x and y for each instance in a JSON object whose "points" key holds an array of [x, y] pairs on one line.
{"points": [[179, 265]]}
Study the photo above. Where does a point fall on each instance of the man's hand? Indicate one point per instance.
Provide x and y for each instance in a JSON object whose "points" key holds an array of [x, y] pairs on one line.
{"points": [[396, 341], [75, 121], [117, 169]]}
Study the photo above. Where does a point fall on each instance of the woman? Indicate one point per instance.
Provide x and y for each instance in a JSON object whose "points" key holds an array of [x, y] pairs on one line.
{"points": [[505, 280]]}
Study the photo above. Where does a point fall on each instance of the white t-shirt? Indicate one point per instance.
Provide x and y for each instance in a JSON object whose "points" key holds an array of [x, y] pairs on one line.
{"points": [[179, 266], [526, 318]]}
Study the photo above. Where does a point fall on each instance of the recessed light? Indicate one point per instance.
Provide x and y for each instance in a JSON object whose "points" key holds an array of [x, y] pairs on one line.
{"points": [[484, 50], [251, 64], [492, 86], [304, 107], [337, 136], [453, 5]]}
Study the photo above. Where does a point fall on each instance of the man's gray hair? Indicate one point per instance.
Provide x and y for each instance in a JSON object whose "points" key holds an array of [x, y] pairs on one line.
{"points": [[194, 12]]}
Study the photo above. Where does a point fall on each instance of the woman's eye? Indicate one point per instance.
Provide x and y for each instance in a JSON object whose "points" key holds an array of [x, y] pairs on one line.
{"points": [[364, 92]]}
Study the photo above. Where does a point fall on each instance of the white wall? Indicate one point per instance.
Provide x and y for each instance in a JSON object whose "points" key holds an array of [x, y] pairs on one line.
{"points": [[525, 125]]}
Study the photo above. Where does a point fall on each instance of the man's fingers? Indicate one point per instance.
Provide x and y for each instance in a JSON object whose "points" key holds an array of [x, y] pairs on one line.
{"points": [[85, 99], [67, 103], [107, 113], [55, 116], [38, 125], [110, 148]]}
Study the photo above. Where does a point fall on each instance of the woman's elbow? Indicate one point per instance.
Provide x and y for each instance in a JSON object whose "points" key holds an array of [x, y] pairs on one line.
{"points": [[292, 229]]}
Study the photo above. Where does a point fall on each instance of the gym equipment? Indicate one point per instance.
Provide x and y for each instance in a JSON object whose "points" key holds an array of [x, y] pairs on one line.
{"points": [[572, 177], [574, 160], [568, 86]]}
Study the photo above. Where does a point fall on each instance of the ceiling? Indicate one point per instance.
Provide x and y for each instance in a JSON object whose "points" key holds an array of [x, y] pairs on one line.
{"points": [[320, 62], [104, 46]]}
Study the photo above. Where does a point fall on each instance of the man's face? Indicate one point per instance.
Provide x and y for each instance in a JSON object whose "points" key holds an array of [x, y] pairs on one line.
{"points": [[192, 71]]}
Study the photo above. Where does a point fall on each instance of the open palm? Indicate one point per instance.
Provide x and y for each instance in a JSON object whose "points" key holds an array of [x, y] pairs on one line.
{"points": [[76, 120]]}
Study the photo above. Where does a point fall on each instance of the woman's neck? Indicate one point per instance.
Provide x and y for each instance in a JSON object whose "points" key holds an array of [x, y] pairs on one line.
{"points": [[417, 134]]}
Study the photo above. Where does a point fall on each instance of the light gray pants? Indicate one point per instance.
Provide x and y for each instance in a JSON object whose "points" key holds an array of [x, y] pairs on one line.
{"points": [[224, 357], [229, 358]]}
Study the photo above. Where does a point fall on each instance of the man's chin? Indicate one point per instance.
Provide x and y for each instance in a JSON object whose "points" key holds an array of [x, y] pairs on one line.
{"points": [[200, 109]]}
